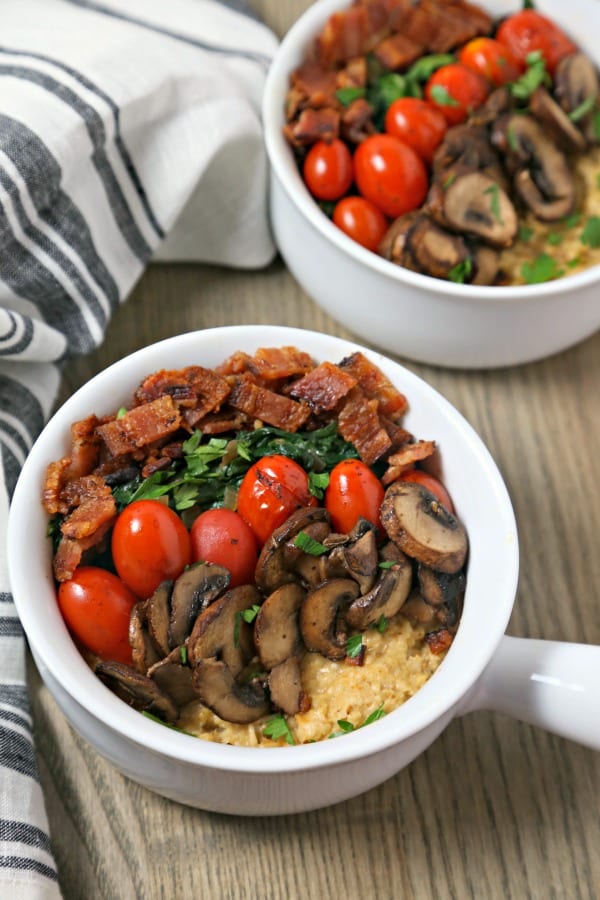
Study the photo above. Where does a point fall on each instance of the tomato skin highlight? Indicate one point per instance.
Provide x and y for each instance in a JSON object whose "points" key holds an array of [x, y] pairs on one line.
{"points": [[361, 220], [491, 59], [433, 484], [354, 491], [96, 607], [222, 537], [418, 124], [529, 31], [328, 170], [390, 174], [272, 489], [465, 89], [150, 543]]}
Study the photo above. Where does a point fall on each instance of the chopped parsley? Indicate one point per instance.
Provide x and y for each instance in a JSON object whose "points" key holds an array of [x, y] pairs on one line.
{"points": [[308, 544], [582, 110], [386, 564], [347, 727], [572, 221], [460, 272], [243, 615], [591, 232], [348, 95], [122, 410], [183, 655], [535, 76], [554, 239], [543, 268], [318, 482], [525, 233], [354, 646], [249, 615], [494, 192], [382, 624], [277, 728], [165, 724], [449, 181], [440, 95], [423, 68]]}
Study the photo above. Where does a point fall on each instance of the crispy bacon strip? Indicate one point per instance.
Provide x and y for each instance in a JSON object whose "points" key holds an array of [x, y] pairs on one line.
{"points": [[85, 447], [358, 423], [94, 506], [201, 390], [406, 457], [141, 426], [324, 387], [438, 641], [276, 363], [346, 34], [70, 552], [374, 383], [397, 52], [261, 403], [313, 125], [54, 482], [316, 84]]}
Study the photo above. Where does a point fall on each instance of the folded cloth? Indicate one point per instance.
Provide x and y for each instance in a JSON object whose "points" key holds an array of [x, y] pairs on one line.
{"points": [[129, 131]]}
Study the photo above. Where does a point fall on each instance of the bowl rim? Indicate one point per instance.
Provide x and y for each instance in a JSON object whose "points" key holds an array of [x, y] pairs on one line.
{"points": [[285, 60], [422, 710]]}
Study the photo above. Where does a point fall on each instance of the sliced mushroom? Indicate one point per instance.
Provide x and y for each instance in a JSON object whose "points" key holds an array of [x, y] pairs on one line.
{"points": [[360, 555], [285, 687], [174, 678], [555, 121], [194, 590], [576, 82], [422, 527], [486, 262], [438, 588], [321, 617], [220, 630], [434, 250], [385, 599], [276, 628], [475, 204], [497, 104], [158, 614], [466, 148], [143, 650], [273, 566], [543, 178], [310, 568], [136, 689], [216, 686], [393, 243], [417, 609]]}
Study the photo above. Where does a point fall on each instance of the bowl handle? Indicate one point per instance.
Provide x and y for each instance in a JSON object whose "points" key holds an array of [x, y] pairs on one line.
{"points": [[551, 684]]}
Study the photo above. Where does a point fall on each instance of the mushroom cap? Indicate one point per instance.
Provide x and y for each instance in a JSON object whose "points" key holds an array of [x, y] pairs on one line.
{"points": [[158, 614], [438, 588], [422, 527], [221, 632], [143, 650], [555, 121], [216, 686], [273, 566], [285, 687], [193, 591], [320, 616], [136, 689], [476, 204], [174, 678], [385, 599], [576, 81], [276, 628]]}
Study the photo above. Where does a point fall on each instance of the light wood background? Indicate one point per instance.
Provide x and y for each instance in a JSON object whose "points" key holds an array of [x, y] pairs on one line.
{"points": [[494, 809]]}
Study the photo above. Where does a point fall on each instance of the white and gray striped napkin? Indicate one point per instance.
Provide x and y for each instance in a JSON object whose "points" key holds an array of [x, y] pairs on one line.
{"points": [[129, 131]]}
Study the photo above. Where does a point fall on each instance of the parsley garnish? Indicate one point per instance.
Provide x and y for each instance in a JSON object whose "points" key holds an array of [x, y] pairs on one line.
{"points": [[525, 233], [591, 232], [249, 615], [423, 68], [318, 482], [535, 76], [582, 110], [572, 220], [573, 262], [382, 624], [277, 728], [122, 410], [440, 95], [555, 239], [386, 564], [449, 181], [494, 192], [354, 646], [346, 727], [543, 268], [308, 544], [348, 95], [374, 716], [461, 271], [183, 655]]}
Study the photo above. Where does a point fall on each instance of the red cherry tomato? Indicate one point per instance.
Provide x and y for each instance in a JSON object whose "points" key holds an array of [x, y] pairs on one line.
{"points": [[529, 31], [150, 543], [272, 489], [491, 59], [96, 607], [353, 491], [416, 123], [390, 174], [222, 537], [455, 91], [361, 220], [433, 484], [328, 170]]}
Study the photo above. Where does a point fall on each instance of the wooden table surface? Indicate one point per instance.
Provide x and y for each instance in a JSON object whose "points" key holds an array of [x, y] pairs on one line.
{"points": [[494, 809]]}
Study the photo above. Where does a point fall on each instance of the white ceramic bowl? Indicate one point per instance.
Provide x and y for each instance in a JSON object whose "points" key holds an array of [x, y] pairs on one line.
{"points": [[409, 314], [481, 668]]}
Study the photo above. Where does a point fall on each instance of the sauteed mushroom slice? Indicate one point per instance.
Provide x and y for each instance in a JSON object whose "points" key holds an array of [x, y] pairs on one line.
{"points": [[273, 566], [174, 678], [217, 688], [393, 243], [221, 632], [576, 82], [310, 568], [360, 555], [438, 588], [555, 121], [194, 590], [543, 178], [276, 628], [486, 262], [385, 599], [422, 527], [321, 616], [158, 613], [136, 689], [476, 204], [143, 650], [417, 609], [434, 250], [285, 687]]}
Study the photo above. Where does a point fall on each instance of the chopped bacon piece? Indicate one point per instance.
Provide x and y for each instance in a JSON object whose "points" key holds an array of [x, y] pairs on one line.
{"points": [[354, 74], [374, 383], [316, 83], [440, 27], [94, 507], [359, 424], [397, 52], [261, 403], [162, 459], [236, 364], [54, 482], [70, 552], [274, 363], [141, 426], [406, 457], [398, 435], [226, 420], [202, 390], [313, 125], [324, 387], [357, 121], [346, 34], [438, 641], [85, 448]]}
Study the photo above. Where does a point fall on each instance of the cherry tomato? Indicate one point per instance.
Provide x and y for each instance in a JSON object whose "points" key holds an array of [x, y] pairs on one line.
{"points": [[390, 174], [96, 606], [272, 489], [491, 59], [361, 220], [222, 537], [529, 31], [418, 124], [353, 491], [150, 543], [456, 91], [328, 170], [433, 484]]}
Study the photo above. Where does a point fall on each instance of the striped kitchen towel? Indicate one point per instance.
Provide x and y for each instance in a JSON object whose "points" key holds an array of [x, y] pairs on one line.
{"points": [[129, 131]]}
